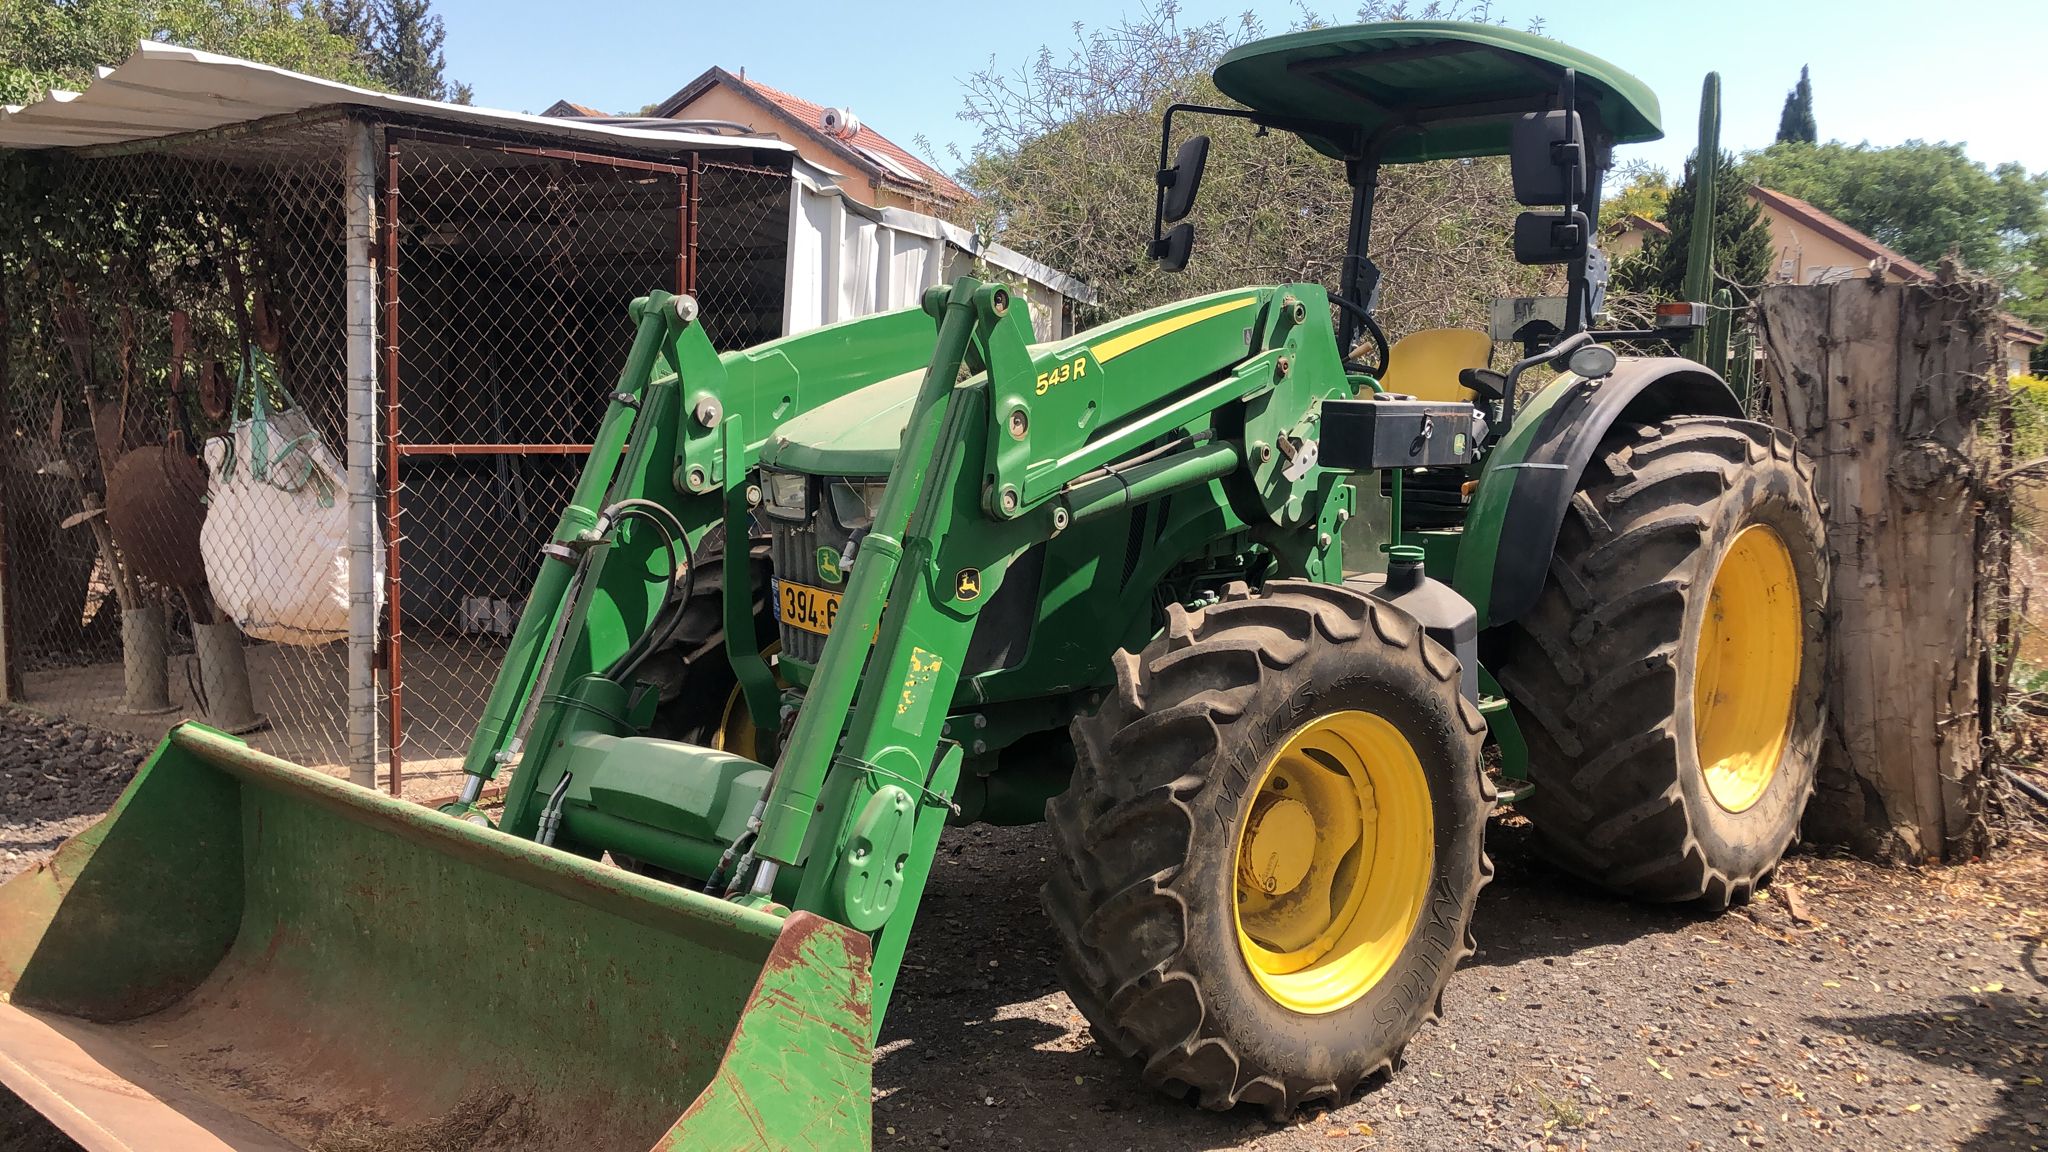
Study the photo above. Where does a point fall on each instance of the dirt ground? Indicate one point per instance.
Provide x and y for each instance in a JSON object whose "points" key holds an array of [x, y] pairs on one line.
{"points": [[300, 691], [1850, 1008]]}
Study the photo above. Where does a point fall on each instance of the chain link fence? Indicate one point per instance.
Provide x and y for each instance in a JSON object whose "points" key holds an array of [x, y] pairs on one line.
{"points": [[510, 276], [175, 324]]}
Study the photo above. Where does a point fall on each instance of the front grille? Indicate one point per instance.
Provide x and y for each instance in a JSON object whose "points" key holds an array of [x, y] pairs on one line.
{"points": [[793, 549]]}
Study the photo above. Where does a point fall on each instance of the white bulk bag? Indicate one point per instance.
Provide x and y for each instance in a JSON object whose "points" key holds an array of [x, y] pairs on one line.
{"points": [[275, 541]]}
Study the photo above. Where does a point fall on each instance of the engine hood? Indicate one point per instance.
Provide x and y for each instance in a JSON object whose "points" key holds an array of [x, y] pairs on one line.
{"points": [[858, 434]]}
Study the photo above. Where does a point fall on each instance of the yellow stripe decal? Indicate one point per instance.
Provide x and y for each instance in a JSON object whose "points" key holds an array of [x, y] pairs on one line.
{"points": [[1116, 346]]}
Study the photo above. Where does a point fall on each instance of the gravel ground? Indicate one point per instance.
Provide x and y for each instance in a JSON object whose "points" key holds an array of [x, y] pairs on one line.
{"points": [[55, 779], [1852, 1008], [1849, 1009]]}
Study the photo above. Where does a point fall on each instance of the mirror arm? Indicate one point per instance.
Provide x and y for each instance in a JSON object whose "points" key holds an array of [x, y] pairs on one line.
{"points": [[1575, 318], [1558, 355]]}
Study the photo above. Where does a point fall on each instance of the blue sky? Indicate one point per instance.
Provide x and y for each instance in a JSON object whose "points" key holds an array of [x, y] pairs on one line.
{"points": [[1883, 70]]}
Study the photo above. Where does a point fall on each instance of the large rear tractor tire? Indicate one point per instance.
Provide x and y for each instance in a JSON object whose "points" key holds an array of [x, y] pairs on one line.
{"points": [[1669, 678], [1271, 847]]}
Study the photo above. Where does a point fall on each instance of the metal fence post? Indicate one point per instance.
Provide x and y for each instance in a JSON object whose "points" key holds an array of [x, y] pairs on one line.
{"points": [[394, 657], [360, 195]]}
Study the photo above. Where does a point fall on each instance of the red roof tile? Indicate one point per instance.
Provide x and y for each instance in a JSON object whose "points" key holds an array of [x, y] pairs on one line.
{"points": [[808, 113], [2016, 329], [1839, 232], [869, 149]]}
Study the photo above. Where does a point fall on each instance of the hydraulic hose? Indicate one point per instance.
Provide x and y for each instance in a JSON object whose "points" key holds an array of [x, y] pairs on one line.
{"points": [[677, 597]]}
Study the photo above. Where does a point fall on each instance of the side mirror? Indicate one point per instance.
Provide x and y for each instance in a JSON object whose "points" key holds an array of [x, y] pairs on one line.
{"points": [[1547, 158], [1184, 179], [1173, 249], [1550, 237]]}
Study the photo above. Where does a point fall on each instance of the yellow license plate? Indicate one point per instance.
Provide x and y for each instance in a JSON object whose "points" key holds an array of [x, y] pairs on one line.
{"points": [[805, 607]]}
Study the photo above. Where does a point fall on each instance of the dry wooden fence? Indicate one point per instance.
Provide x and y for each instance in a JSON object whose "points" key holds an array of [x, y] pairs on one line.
{"points": [[1889, 388]]}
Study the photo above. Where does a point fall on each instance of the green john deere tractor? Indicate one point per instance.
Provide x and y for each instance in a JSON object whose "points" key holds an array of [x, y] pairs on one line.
{"points": [[1242, 617]]}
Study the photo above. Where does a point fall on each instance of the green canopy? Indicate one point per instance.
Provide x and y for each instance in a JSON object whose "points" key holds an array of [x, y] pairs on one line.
{"points": [[1413, 90]]}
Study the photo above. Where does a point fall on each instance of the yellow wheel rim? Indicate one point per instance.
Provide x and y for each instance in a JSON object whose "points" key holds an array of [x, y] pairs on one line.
{"points": [[1746, 669], [736, 732], [1333, 861]]}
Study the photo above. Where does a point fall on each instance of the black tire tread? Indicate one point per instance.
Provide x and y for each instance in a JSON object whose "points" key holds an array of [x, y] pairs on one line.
{"points": [[1583, 667], [1124, 827]]}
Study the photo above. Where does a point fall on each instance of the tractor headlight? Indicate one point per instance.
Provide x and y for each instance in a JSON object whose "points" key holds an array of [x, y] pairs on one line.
{"points": [[856, 499], [784, 493]]}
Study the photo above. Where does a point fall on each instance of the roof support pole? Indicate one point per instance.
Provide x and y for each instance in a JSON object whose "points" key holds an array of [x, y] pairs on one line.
{"points": [[360, 206]]}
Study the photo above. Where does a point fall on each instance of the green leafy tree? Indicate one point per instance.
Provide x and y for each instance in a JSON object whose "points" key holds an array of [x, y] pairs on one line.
{"points": [[1069, 143], [352, 20], [1924, 200], [2028, 294], [1742, 240], [1795, 123], [47, 44], [1645, 190]]}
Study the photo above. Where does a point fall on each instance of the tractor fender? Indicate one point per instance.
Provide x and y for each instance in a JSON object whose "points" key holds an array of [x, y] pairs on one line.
{"points": [[1529, 481]]}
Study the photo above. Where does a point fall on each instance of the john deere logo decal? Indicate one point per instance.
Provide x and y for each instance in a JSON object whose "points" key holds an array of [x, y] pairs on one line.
{"points": [[967, 585], [828, 566]]}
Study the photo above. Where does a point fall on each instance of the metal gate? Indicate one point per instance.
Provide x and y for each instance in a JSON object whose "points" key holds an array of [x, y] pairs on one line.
{"points": [[506, 273]]}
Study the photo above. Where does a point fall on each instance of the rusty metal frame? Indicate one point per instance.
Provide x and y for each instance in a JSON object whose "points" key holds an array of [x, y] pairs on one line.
{"points": [[688, 178], [492, 449]]}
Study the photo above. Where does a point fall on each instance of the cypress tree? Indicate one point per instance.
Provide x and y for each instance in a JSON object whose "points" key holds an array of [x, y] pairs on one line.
{"points": [[1796, 124], [399, 44], [406, 49]]}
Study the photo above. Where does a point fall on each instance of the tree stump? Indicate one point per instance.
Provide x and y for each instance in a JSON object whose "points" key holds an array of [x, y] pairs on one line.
{"points": [[1887, 386]]}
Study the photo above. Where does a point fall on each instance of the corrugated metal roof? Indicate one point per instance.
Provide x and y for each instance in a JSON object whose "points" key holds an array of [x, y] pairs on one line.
{"points": [[164, 90]]}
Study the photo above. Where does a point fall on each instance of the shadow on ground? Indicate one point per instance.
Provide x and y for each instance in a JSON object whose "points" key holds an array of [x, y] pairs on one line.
{"points": [[1998, 1036]]}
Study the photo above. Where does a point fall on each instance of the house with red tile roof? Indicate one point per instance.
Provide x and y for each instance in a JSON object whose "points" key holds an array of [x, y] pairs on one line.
{"points": [[871, 168], [1627, 236]]}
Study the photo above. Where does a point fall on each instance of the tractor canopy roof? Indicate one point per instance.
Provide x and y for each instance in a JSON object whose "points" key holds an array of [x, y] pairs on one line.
{"points": [[1411, 90]]}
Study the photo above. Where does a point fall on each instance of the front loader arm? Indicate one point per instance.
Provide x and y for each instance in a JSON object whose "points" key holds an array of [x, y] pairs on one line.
{"points": [[989, 468], [664, 436]]}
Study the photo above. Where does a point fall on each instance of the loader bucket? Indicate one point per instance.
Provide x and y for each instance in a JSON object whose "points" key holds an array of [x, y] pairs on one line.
{"points": [[249, 955]]}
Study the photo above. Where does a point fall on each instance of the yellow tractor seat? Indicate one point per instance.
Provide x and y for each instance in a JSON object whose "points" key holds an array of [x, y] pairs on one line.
{"points": [[1425, 364]]}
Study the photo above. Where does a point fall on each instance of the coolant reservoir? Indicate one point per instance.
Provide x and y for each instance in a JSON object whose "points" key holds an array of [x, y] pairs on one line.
{"points": [[1447, 617]]}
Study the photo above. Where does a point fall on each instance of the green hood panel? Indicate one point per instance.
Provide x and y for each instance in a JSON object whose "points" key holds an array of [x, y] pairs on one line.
{"points": [[858, 434]]}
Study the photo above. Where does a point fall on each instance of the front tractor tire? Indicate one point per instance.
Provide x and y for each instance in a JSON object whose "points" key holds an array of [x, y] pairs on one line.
{"points": [[1271, 848], [1669, 678]]}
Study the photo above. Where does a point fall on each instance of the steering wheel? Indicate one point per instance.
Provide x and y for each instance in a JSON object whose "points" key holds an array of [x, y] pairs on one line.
{"points": [[1372, 328]]}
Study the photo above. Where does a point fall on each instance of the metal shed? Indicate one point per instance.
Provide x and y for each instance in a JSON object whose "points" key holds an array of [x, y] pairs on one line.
{"points": [[454, 280]]}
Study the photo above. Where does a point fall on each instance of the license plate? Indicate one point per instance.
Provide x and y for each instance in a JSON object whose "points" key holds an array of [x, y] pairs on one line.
{"points": [[805, 607]]}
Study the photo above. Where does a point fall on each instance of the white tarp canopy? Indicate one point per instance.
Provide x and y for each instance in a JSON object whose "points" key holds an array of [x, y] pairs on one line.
{"points": [[163, 90]]}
